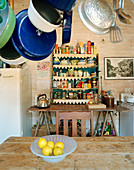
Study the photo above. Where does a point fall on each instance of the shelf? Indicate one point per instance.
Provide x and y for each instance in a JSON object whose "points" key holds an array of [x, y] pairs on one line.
{"points": [[75, 66], [71, 78], [71, 101], [76, 88], [75, 55]]}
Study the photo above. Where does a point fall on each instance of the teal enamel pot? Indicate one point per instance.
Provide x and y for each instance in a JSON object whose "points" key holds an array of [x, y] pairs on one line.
{"points": [[8, 29]]}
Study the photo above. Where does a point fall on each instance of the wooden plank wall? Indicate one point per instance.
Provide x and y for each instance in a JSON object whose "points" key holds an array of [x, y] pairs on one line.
{"points": [[105, 47]]}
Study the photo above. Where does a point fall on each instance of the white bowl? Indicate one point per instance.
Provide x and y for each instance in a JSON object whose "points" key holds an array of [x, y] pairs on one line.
{"points": [[69, 146]]}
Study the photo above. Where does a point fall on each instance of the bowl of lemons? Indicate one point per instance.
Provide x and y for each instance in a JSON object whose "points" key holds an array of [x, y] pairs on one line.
{"points": [[53, 148]]}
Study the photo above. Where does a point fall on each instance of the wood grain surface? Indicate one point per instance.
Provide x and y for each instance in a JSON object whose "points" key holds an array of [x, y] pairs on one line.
{"points": [[75, 108], [91, 153]]}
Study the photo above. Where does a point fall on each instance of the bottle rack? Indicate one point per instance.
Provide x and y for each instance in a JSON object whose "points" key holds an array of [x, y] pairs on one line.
{"points": [[89, 67]]}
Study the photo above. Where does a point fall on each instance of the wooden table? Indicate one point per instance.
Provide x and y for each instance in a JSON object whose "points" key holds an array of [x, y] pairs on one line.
{"points": [[112, 153], [73, 108]]}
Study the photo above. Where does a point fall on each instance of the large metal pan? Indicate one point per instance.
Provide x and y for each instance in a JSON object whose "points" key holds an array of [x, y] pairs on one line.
{"points": [[96, 15], [43, 15], [63, 5], [30, 42]]}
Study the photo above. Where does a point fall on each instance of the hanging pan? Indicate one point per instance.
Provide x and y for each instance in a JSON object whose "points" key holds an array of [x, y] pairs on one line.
{"points": [[9, 28], [66, 29], [96, 15], [4, 14], [63, 5], [43, 15], [30, 42]]}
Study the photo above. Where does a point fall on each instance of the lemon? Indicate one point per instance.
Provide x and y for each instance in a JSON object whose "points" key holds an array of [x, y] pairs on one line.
{"points": [[59, 144], [57, 151], [42, 142], [51, 144], [47, 150]]}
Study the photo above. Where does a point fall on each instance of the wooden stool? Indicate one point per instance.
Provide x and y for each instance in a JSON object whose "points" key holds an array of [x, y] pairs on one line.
{"points": [[105, 119]]}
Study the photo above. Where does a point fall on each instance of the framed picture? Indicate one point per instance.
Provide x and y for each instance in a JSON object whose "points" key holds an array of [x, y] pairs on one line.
{"points": [[117, 68]]}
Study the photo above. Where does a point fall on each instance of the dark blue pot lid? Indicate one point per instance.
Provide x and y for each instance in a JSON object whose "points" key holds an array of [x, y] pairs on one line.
{"points": [[63, 5], [27, 41]]}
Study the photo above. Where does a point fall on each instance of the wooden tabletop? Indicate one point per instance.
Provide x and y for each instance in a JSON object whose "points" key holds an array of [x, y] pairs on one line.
{"points": [[92, 153], [74, 108]]}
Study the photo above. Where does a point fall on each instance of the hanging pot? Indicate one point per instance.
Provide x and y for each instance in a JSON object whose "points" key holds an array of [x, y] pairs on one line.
{"points": [[63, 5], [96, 15], [43, 15], [9, 55], [66, 29], [17, 61], [8, 29], [2, 4], [4, 15], [9, 52], [30, 42]]}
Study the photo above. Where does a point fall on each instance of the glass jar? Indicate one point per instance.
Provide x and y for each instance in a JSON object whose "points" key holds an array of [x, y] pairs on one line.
{"points": [[55, 95], [84, 95], [71, 95], [64, 95]]}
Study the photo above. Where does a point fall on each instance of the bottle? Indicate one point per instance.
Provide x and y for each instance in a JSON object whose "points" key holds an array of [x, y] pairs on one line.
{"points": [[81, 48], [89, 47], [82, 84], [94, 83], [92, 47], [57, 49], [67, 95], [89, 84], [54, 84], [78, 48], [95, 50], [99, 129], [109, 128], [85, 48]]}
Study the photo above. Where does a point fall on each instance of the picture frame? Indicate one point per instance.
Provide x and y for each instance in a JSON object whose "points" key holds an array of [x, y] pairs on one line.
{"points": [[119, 68]]}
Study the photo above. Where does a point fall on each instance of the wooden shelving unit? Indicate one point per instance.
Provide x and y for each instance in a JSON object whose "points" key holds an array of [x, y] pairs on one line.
{"points": [[91, 68]]}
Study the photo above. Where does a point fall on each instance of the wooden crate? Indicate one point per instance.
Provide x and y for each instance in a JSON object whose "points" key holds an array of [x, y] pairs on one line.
{"points": [[43, 130]]}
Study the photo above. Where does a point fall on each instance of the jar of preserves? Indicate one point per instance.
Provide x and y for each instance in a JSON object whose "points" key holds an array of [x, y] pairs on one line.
{"points": [[84, 96], [71, 95]]}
